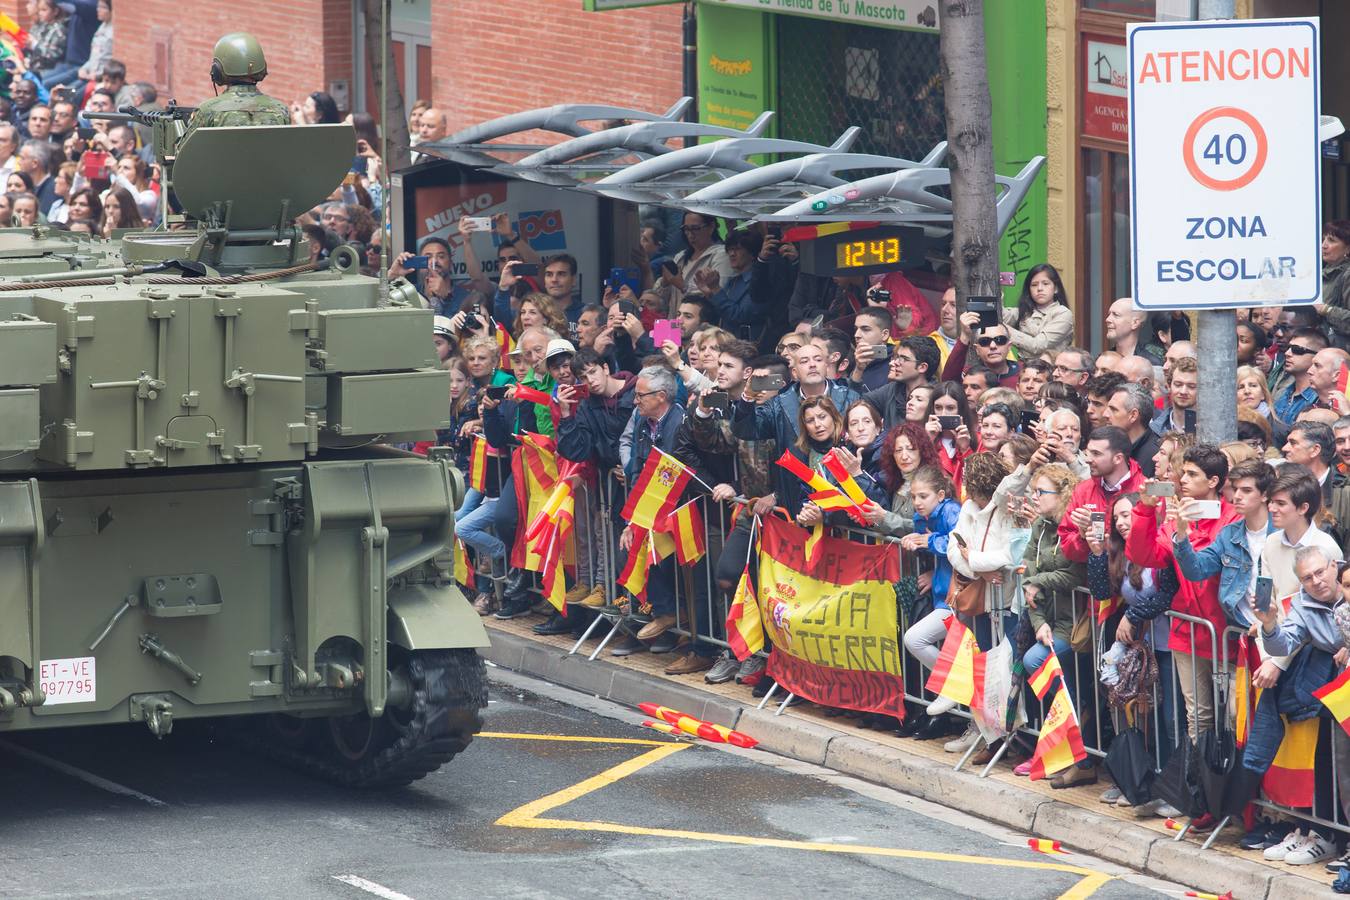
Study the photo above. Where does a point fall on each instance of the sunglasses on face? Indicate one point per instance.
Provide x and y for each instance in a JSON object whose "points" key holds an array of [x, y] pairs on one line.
{"points": [[999, 341], [1300, 350]]}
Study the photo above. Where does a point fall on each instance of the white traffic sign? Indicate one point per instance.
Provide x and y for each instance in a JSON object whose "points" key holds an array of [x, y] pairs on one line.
{"points": [[1225, 172]]}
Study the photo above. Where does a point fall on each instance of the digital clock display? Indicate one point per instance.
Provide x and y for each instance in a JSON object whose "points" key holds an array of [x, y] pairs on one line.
{"points": [[861, 253]]}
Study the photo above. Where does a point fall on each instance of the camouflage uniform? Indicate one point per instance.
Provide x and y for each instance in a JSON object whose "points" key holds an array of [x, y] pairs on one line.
{"points": [[240, 104]]}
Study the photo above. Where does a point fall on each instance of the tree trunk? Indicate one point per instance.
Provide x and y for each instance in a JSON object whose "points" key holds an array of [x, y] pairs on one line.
{"points": [[396, 129], [965, 81]]}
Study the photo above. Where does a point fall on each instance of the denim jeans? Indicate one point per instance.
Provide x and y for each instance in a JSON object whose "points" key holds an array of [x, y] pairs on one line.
{"points": [[471, 500], [476, 531]]}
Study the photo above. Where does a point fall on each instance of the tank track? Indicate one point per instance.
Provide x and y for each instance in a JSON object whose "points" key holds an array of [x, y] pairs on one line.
{"points": [[449, 690]]}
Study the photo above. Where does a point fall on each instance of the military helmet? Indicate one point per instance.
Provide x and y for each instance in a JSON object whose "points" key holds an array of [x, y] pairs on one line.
{"points": [[238, 57]]}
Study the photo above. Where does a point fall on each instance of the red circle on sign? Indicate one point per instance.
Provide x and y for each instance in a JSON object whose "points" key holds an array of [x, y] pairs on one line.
{"points": [[1224, 112]]}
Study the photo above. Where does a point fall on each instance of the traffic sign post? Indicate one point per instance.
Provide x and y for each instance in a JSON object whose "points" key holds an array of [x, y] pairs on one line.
{"points": [[1225, 172]]}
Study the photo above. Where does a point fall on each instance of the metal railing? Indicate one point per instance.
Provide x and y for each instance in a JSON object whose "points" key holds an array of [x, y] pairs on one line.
{"points": [[701, 606]]}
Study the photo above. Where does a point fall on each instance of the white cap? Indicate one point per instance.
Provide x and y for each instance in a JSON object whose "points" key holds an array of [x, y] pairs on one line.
{"points": [[557, 347], [441, 325]]}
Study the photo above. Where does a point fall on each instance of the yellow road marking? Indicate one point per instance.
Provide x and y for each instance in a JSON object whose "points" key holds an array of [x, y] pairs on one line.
{"points": [[573, 739], [531, 816]]}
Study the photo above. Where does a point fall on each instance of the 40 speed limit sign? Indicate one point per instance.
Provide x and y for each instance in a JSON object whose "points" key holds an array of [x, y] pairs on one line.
{"points": [[1225, 174]]}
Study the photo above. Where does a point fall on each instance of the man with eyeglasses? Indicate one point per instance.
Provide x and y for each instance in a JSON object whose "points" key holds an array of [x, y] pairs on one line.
{"points": [[510, 248], [1299, 394], [991, 351], [1309, 630], [1282, 332], [1073, 367], [914, 362]]}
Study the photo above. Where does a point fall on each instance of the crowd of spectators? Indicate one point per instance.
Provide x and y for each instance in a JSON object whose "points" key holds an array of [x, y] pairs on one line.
{"points": [[1002, 452]]}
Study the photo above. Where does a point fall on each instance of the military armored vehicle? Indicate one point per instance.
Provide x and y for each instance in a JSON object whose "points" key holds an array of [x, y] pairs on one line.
{"points": [[202, 512]]}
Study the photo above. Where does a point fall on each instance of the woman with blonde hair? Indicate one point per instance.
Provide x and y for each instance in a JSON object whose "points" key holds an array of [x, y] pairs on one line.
{"points": [[537, 311], [1252, 391], [705, 346]]}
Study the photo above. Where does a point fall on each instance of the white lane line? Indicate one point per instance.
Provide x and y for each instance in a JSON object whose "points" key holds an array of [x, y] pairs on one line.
{"points": [[371, 887], [111, 787]]}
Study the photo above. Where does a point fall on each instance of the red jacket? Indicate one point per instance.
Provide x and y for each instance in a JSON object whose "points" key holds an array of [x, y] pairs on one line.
{"points": [[1090, 491], [1151, 546], [904, 293]]}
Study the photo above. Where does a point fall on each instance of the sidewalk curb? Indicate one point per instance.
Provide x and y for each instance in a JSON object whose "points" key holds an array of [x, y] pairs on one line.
{"points": [[1120, 842]]}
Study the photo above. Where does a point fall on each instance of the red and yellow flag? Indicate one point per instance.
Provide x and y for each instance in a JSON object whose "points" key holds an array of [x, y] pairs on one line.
{"points": [[832, 627], [1106, 608], [959, 672], [535, 468], [478, 459], [505, 344], [464, 573], [1061, 743], [1335, 696], [745, 633], [1044, 678], [554, 575], [657, 490], [685, 525], [1041, 845], [817, 482], [1342, 378], [1289, 780], [633, 578], [810, 232], [1242, 688], [813, 545]]}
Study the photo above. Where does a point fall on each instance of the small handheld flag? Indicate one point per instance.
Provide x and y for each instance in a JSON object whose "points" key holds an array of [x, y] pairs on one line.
{"points": [[1044, 678], [1335, 696]]}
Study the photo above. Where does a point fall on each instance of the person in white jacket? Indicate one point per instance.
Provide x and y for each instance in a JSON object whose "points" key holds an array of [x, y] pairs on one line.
{"points": [[1042, 321]]}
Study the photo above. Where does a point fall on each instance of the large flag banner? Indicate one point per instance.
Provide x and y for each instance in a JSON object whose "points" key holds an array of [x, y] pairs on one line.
{"points": [[1289, 780], [657, 490], [834, 630], [1061, 743]]}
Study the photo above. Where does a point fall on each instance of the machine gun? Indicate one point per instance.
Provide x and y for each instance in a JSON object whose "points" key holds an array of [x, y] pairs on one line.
{"points": [[168, 126]]}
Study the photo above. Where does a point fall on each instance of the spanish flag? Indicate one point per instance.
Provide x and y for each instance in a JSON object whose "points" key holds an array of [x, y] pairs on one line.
{"points": [[554, 576], [1335, 696], [959, 673], [813, 545], [633, 578], [745, 633], [657, 490], [478, 458], [1044, 678], [1242, 688], [817, 482], [535, 468], [1289, 780], [464, 573], [1106, 608], [685, 525], [1342, 378], [1061, 743], [505, 344]]}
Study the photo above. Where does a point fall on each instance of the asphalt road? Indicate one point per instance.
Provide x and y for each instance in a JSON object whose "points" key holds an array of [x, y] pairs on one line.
{"points": [[519, 815]]}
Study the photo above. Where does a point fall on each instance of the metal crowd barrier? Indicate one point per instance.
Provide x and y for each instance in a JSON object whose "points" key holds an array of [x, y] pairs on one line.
{"points": [[701, 610]]}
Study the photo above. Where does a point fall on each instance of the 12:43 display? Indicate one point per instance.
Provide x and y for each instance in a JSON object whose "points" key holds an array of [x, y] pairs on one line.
{"points": [[860, 253]]}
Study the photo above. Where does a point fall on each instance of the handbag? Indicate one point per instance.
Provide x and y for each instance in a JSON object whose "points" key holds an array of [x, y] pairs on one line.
{"points": [[1080, 640], [966, 597]]}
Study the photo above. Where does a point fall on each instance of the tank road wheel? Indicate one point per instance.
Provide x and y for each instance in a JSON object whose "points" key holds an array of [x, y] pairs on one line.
{"points": [[448, 690]]}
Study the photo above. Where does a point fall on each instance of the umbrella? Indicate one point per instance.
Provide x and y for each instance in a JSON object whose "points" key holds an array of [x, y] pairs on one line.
{"points": [[1178, 783], [1218, 763], [1131, 765]]}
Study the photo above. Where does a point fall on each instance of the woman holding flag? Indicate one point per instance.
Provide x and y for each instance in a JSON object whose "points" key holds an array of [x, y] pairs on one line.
{"points": [[820, 429]]}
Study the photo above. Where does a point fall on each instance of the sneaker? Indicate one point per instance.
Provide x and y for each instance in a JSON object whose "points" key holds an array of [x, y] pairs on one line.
{"points": [[751, 671], [1165, 810], [965, 741], [1292, 841], [515, 607], [723, 670], [1110, 795], [626, 645], [940, 706], [761, 686], [1314, 849], [1340, 862], [577, 593], [1264, 833]]}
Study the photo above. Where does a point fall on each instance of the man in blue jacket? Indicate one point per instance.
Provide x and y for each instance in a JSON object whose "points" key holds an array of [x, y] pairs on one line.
{"points": [[1235, 554], [777, 419]]}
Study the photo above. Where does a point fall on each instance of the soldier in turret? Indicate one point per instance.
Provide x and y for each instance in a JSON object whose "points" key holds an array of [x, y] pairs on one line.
{"points": [[237, 64]]}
